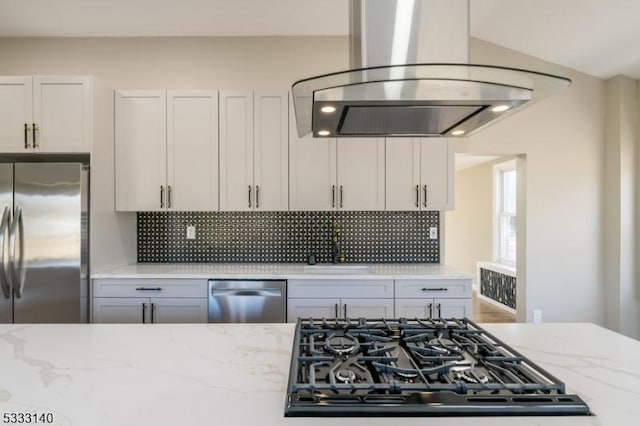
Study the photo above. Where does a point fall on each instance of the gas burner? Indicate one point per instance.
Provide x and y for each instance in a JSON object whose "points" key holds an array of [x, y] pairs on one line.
{"points": [[341, 344], [345, 376], [470, 375], [443, 346]]}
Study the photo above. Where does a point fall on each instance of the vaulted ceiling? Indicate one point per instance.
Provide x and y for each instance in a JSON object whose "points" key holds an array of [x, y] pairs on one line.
{"points": [[598, 37]]}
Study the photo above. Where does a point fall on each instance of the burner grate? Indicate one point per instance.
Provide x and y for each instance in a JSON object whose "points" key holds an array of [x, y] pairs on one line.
{"points": [[363, 363]]}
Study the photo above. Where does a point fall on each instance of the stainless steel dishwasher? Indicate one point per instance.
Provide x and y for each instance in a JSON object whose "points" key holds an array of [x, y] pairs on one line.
{"points": [[247, 301]]}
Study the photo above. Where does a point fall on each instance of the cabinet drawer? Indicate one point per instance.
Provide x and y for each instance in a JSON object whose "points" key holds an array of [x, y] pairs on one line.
{"points": [[433, 288], [150, 287], [360, 289]]}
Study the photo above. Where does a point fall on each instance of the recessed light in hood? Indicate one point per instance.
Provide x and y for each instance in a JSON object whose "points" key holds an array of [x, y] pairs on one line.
{"points": [[387, 98]]}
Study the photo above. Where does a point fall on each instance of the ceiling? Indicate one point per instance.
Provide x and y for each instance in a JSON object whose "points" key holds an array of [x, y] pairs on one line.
{"points": [[598, 37]]}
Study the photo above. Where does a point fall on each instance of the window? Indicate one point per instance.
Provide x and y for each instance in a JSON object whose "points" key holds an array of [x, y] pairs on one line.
{"points": [[504, 218]]}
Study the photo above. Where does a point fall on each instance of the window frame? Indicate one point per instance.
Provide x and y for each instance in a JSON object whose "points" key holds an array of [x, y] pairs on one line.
{"points": [[499, 214]]}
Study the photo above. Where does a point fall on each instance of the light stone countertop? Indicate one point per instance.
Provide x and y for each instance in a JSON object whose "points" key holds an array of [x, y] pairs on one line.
{"points": [[280, 271], [236, 374]]}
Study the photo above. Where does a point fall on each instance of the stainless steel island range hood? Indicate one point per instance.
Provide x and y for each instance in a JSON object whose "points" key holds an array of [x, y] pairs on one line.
{"points": [[410, 77]]}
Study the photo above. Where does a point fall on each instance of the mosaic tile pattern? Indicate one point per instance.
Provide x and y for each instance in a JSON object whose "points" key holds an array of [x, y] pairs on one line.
{"points": [[287, 237], [499, 287]]}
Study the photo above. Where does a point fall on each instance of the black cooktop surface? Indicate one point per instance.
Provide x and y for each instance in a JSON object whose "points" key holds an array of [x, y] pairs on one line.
{"points": [[413, 367]]}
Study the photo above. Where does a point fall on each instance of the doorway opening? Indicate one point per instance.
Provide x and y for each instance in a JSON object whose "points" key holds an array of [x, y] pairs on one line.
{"points": [[485, 234]]}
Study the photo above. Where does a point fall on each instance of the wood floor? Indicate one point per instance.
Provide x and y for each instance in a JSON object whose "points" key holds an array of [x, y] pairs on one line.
{"points": [[486, 312]]}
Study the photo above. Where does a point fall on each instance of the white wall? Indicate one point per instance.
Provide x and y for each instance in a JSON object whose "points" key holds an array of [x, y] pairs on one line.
{"points": [[468, 228], [562, 138], [156, 63], [620, 206]]}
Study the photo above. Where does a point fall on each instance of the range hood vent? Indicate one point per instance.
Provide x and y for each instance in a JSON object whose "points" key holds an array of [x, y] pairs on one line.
{"points": [[390, 93]]}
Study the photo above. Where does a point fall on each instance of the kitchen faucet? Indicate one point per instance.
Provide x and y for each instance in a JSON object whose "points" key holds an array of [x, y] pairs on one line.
{"points": [[336, 247]]}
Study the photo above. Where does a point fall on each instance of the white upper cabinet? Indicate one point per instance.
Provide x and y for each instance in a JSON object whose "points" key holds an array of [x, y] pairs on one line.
{"points": [[312, 169], [437, 174], [166, 150], [361, 166], [192, 150], [419, 174], [140, 150], [271, 150], [236, 150], [45, 114], [253, 150], [16, 113]]}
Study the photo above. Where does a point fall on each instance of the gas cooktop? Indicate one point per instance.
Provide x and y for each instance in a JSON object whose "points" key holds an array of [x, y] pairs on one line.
{"points": [[413, 367]]}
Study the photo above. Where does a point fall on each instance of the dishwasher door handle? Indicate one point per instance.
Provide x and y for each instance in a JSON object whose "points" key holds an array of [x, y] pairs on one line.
{"points": [[268, 292]]}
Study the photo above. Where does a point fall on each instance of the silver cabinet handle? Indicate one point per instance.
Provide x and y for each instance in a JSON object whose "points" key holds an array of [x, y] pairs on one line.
{"points": [[333, 197], [417, 195], [424, 190], [169, 196], [249, 196], [257, 197], [26, 137], [430, 310], [153, 307], [33, 136], [144, 311], [161, 196], [345, 311], [439, 306], [341, 196], [18, 271], [148, 288], [435, 289], [4, 227], [336, 308]]}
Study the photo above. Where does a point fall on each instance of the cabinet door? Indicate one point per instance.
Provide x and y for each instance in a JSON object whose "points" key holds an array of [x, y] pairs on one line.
{"points": [[140, 150], [178, 310], [436, 174], [414, 308], [361, 174], [402, 171], [62, 113], [367, 308], [271, 150], [120, 310], [312, 308], [236, 151], [453, 308], [192, 150], [16, 111], [312, 171]]}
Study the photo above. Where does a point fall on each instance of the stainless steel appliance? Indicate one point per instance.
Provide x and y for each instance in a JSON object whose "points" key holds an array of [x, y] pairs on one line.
{"points": [[241, 301], [413, 367], [44, 242]]}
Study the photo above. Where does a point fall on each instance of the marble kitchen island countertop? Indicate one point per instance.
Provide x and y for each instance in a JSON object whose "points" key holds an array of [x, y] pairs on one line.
{"points": [[281, 271], [236, 374]]}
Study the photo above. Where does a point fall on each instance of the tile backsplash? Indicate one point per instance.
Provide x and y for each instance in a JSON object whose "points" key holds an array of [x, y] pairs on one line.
{"points": [[287, 237]]}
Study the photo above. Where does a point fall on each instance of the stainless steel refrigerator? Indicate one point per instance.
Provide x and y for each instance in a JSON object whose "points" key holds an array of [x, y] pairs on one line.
{"points": [[44, 242]]}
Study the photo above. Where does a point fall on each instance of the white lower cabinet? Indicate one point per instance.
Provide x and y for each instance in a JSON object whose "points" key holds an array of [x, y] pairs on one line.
{"points": [[339, 308], [130, 301], [433, 308], [436, 298], [319, 298]]}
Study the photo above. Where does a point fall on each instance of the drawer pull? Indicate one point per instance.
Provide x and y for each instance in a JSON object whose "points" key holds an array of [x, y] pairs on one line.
{"points": [[435, 289], [148, 288]]}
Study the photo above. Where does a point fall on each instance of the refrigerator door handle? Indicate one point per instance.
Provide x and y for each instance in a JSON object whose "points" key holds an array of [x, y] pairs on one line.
{"points": [[18, 271], [5, 282]]}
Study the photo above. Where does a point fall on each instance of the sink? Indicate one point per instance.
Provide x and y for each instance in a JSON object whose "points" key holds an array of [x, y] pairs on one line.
{"points": [[338, 269]]}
